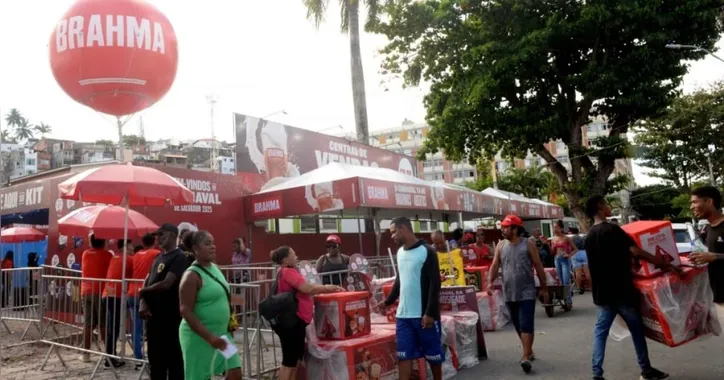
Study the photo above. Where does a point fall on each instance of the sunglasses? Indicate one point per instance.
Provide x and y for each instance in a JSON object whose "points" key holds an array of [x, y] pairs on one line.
{"points": [[332, 245]]}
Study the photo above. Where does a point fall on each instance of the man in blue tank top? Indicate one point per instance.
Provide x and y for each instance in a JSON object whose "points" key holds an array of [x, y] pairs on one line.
{"points": [[418, 315], [517, 257]]}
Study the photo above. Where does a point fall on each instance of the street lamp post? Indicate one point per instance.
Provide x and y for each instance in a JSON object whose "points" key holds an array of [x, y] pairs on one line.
{"points": [[692, 47]]}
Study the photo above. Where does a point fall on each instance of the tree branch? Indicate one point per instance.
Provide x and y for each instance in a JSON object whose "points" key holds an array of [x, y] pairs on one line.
{"points": [[555, 166]]}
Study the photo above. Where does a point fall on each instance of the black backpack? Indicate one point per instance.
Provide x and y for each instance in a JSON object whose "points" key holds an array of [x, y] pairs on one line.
{"points": [[280, 310]]}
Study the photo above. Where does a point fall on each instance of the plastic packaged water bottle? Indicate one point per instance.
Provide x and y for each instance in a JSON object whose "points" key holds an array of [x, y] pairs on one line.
{"points": [[697, 245]]}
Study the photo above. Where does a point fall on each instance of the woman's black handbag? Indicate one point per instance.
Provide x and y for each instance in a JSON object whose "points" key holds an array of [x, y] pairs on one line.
{"points": [[279, 309]]}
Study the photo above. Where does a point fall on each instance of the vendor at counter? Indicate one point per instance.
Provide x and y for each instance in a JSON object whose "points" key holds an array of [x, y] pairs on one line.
{"points": [[333, 261]]}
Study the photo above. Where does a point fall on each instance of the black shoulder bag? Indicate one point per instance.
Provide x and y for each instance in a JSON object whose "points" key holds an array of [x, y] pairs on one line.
{"points": [[233, 323], [280, 310]]}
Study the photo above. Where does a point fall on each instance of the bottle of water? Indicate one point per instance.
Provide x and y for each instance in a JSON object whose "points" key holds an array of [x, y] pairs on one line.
{"points": [[697, 245]]}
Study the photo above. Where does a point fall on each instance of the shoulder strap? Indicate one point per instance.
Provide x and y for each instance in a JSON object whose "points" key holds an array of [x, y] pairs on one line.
{"points": [[226, 290]]}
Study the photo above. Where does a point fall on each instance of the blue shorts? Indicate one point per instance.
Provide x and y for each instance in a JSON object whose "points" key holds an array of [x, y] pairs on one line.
{"points": [[522, 313], [414, 342], [580, 259]]}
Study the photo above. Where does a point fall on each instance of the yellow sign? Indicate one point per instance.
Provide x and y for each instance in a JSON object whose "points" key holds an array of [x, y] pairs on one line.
{"points": [[456, 269]]}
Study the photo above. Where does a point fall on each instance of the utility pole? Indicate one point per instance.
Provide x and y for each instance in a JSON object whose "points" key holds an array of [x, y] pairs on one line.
{"points": [[211, 99]]}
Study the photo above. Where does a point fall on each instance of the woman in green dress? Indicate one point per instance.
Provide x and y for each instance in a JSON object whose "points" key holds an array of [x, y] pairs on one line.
{"points": [[205, 311]]}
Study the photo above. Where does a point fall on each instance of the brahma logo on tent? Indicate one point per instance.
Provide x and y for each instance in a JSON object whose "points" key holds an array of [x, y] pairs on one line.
{"points": [[267, 207]]}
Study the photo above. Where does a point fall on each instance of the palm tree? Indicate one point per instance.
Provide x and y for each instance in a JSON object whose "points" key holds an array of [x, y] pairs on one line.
{"points": [[316, 10], [13, 118], [24, 130], [5, 137], [43, 128]]}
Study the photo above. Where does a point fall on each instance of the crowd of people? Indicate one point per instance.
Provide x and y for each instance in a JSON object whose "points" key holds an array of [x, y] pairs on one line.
{"points": [[180, 293], [185, 300], [606, 258]]}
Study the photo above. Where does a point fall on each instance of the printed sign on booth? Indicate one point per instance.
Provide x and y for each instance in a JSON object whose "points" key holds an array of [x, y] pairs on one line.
{"points": [[266, 150]]}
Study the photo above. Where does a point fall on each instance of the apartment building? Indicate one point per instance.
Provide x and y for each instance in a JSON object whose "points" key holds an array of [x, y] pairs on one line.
{"points": [[17, 160], [409, 137]]}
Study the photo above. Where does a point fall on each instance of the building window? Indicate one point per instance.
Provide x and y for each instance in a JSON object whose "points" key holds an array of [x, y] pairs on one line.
{"points": [[30, 162], [428, 177], [502, 166], [308, 224], [563, 159], [426, 226], [328, 225], [471, 174], [458, 174]]}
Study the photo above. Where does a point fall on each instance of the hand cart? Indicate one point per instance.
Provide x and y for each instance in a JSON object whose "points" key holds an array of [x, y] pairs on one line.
{"points": [[558, 296]]}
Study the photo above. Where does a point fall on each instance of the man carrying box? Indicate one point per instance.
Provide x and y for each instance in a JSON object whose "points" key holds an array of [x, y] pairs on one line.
{"points": [[610, 250], [706, 204]]}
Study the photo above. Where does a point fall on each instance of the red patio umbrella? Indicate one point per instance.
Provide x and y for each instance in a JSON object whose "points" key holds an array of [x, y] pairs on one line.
{"points": [[125, 184], [21, 234], [105, 222]]}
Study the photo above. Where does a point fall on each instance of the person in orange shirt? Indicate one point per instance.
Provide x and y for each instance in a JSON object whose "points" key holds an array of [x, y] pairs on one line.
{"points": [[142, 261], [94, 267], [112, 296]]}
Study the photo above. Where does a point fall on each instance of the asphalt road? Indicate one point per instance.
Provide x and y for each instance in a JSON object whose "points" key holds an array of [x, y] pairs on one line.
{"points": [[563, 351]]}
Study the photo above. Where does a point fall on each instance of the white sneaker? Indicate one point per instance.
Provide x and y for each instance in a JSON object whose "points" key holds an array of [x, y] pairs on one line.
{"points": [[85, 358]]}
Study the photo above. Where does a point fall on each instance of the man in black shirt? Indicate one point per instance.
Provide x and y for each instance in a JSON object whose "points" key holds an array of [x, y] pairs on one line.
{"points": [[160, 306], [610, 252], [706, 204]]}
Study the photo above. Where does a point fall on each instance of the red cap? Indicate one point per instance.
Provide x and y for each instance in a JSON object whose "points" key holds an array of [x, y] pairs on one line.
{"points": [[512, 220], [334, 239]]}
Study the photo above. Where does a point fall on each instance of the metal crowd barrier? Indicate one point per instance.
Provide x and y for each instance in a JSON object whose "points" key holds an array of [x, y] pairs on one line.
{"points": [[20, 302]]}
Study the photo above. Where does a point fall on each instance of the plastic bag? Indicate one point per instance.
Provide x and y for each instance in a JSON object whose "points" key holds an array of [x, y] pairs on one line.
{"points": [[466, 338], [675, 310], [493, 312]]}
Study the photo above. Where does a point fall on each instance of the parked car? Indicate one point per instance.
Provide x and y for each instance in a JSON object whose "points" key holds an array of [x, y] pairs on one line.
{"points": [[683, 241]]}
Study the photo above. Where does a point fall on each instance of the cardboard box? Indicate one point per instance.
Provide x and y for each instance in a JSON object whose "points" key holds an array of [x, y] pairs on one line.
{"points": [[339, 316], [677, 310], [372, 357], [656, 238]]}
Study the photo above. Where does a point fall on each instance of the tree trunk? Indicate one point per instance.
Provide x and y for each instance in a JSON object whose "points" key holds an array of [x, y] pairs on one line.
{"points": [[358, 77]]}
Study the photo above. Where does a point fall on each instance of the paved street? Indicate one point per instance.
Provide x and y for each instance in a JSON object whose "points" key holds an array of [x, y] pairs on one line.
{"points": [[563, 349]]}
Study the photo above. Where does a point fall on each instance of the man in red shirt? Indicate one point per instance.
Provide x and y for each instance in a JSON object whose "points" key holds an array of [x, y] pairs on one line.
{"points": [[112, 296], [142, 261], [94, 267]]}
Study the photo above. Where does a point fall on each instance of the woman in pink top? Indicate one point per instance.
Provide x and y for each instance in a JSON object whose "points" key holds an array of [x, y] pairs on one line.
{"points": [[292, 338], [563, 248]]}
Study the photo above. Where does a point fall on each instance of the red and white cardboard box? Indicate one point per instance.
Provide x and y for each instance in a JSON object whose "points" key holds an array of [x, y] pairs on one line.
{"points": [[656, 238]]}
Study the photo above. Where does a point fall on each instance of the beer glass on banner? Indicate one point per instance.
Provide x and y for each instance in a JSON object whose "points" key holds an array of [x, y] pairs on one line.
{"points": [[323, 193], [439, 197], [274, 143]]}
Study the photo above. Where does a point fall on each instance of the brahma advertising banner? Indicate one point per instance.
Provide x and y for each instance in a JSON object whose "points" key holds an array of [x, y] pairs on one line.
{"points": [[269, 151]]}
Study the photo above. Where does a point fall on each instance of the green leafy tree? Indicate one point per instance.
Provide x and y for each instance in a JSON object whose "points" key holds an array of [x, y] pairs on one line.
{"points": [[43, 129], [484, 179], [24, 130], [676, 143], [350, 11], [6, 137], [656, 202], [514, 75], [133, 140]]}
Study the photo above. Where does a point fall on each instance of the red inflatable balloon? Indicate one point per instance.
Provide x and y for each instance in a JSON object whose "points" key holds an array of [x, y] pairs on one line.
{"points": [[115, 56]]}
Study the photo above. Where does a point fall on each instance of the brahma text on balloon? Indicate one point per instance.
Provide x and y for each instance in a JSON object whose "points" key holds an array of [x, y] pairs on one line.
{"points": [[109, 30]]}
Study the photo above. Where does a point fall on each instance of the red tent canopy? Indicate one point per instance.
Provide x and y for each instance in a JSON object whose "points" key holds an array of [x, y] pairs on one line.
{"points": [[350, 189]]}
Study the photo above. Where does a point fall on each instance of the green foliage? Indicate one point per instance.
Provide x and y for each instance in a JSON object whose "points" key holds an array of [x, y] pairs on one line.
{"points": [[513, 75], [43, 129], [656, 202], [317, 10], [676, 143], [133, 140], [107, 143]]}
